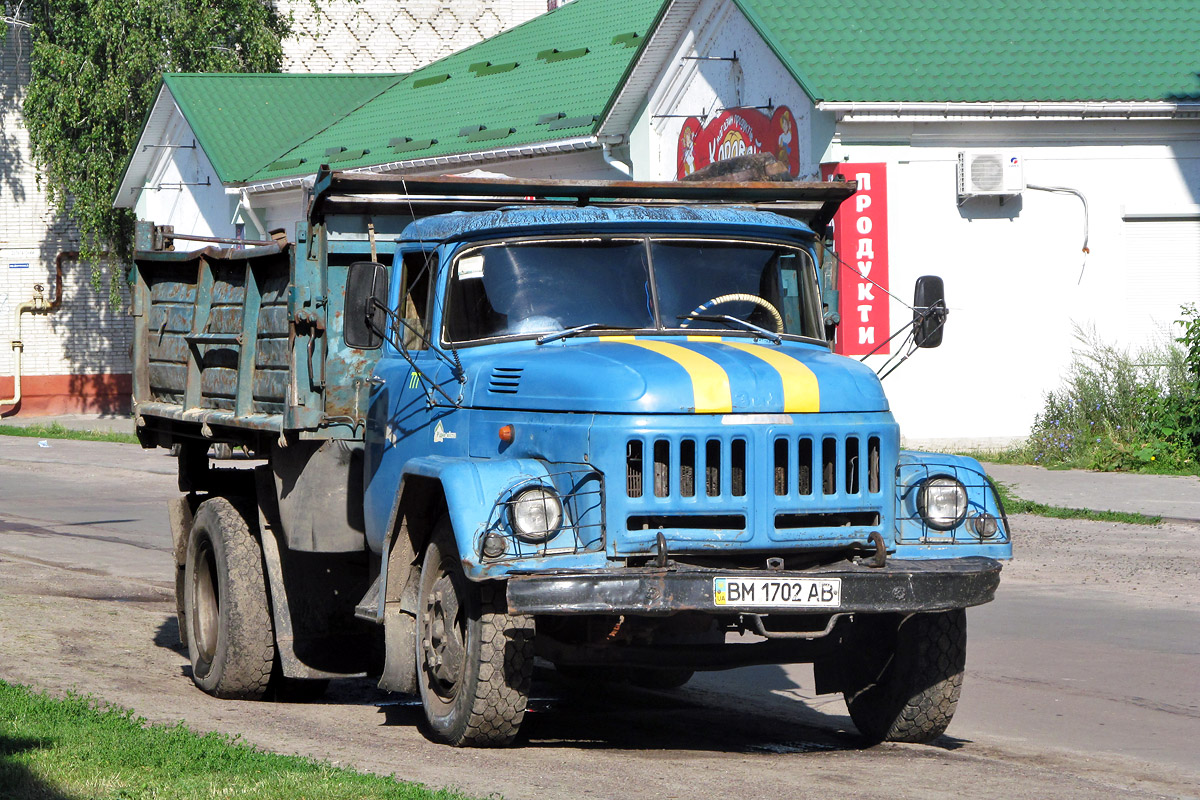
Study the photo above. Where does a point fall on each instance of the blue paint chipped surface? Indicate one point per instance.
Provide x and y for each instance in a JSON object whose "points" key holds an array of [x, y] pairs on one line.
{"points": [[460, 224]]}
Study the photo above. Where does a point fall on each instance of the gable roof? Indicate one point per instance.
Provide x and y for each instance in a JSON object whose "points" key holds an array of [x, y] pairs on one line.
{"points": [[244, 122], [550, 78], [971, 51]]}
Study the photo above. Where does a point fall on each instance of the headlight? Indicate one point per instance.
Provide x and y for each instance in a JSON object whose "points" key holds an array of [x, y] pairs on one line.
{"points": [[942, 502], [535, 514]]}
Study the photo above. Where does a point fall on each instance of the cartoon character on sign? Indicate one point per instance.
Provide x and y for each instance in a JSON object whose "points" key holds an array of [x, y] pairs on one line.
{"points": [[687, 141], [785, 138]]}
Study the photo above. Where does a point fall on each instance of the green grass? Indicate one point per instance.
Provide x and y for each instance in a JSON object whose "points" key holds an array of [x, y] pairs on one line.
{"points": [[56, 431], [77, 747], [1022, 456], [1017, 505]]}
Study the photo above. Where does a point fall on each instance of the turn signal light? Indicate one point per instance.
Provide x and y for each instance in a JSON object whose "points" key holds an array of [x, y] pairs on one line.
{"points": [[506, 433]]}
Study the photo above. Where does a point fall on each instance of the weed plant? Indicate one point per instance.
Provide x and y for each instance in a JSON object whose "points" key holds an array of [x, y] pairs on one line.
{"points": [[1123, 411]]}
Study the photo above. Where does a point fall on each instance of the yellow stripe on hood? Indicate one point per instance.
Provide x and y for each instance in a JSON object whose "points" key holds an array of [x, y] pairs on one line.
{"points": [[801, 391], [710, 383]]}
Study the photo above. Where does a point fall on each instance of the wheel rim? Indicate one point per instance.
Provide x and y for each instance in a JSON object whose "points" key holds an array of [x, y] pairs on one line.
{"points": [[443, 639], [206, 606]]}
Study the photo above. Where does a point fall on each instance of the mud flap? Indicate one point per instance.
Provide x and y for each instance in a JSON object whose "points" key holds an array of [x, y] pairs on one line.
{"points": [[400, 643], [827, 675], [179, 514]]}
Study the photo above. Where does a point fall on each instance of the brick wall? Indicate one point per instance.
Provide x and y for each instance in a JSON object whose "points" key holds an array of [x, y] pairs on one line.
{"points": [[391, 36], [75, 358]]}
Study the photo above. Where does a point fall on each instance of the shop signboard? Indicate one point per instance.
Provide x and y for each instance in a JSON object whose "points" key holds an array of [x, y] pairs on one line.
{"points": [[736, 132]]}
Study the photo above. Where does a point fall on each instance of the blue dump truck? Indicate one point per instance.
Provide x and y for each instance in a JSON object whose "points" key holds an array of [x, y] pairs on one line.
{"points": [[593, 423]]}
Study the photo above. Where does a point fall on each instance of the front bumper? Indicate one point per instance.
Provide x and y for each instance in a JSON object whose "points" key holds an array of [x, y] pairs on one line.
{"points": [[900, 586]]}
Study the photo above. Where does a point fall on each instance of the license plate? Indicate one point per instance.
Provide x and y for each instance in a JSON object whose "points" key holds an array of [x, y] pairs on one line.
{"points": [[778, 593]]}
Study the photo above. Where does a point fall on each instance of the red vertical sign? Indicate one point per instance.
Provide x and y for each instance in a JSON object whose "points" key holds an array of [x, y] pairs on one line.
{"points": [[860, 238]]}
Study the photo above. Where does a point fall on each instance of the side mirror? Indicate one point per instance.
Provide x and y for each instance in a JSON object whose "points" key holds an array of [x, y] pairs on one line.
{"points": [[366, 302], [929, 311]]}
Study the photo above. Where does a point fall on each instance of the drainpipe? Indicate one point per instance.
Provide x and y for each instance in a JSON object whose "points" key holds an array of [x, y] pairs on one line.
{"points": [[620, 166], [244, 204], [37, 305]]}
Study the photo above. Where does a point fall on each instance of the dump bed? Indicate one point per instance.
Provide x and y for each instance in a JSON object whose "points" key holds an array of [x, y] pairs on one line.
{"points": [[246, 343]]}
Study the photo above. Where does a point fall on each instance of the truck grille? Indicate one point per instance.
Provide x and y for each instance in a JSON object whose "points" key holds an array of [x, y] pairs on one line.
{"points": [[795, 462]]}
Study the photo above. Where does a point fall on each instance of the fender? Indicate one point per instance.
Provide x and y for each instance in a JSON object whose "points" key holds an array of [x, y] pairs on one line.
{"points": [[466, 489], [912, 539], [471, 487]]}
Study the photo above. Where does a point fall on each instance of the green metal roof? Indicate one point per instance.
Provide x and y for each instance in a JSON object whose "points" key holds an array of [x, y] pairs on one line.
{"points": [[245, 121], [555, 76], [986, 50], [550, 78]]}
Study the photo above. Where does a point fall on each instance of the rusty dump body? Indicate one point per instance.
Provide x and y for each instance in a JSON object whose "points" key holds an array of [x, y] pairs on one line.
{"points": [[233, 344]]}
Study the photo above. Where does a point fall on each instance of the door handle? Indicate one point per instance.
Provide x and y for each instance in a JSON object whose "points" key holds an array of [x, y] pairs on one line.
{"points": [[376, 381]]}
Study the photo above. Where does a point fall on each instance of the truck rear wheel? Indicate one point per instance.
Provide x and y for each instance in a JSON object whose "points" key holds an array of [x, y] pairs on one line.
{"points": [[903, 680], [474, 660], [231, 641]]}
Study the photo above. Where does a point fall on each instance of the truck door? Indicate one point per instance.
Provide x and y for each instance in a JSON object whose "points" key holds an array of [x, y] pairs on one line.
{"points": [[399, 406]]}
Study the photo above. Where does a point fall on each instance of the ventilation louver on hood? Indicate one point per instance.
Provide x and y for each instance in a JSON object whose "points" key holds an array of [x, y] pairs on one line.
{"points": [[505, 380]]}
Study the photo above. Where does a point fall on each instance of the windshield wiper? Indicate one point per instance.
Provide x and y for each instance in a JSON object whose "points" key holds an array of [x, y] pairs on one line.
{"points": [[730, 320], [569, 332]]}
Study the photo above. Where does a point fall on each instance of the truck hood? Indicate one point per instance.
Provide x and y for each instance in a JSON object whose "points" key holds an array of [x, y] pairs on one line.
{"points": [[669, 375]]}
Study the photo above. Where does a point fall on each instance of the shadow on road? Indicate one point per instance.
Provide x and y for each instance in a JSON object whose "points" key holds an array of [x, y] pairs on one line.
{"points": [[585, 715], [167, 636]]}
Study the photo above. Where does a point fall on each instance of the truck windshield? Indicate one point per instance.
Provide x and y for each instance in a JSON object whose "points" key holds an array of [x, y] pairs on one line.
{"points": [[539, 287]]}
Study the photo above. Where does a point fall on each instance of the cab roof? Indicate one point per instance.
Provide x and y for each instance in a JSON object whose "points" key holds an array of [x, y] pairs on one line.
{"points": [[470, 224]]}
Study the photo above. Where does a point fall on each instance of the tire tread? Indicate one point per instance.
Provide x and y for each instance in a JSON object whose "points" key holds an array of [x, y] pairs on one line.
{"points": [[250, 647], [915, 697], [505, 672]]}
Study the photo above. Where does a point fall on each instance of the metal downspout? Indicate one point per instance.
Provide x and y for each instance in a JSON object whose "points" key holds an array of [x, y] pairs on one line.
{"points": [[33, 306], [37, 305], [620, 166]]}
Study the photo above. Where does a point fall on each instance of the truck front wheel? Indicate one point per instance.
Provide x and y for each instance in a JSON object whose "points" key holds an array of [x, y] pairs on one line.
{"points": [[230, 639], [474, 660], [902, 678]]}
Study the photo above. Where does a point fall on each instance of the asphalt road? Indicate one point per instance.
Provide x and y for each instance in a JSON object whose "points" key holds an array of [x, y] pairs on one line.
{"points": [[1083, 678]]}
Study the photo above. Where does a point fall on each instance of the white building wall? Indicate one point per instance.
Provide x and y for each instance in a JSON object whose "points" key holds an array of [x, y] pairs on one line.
{"points": [[182, 189], [392, 36], [703, 88], [85, 335], [1015, 274]]}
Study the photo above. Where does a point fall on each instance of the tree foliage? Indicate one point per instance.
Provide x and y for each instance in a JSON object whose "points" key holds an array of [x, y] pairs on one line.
{"points": [[95, 67]]}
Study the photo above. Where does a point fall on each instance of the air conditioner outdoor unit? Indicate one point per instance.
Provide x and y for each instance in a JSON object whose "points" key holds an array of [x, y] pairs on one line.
{"points": [[989, 175]]}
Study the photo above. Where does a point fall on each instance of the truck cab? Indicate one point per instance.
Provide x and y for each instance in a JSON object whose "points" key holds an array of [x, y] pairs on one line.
{"points": [[610, 433]]}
